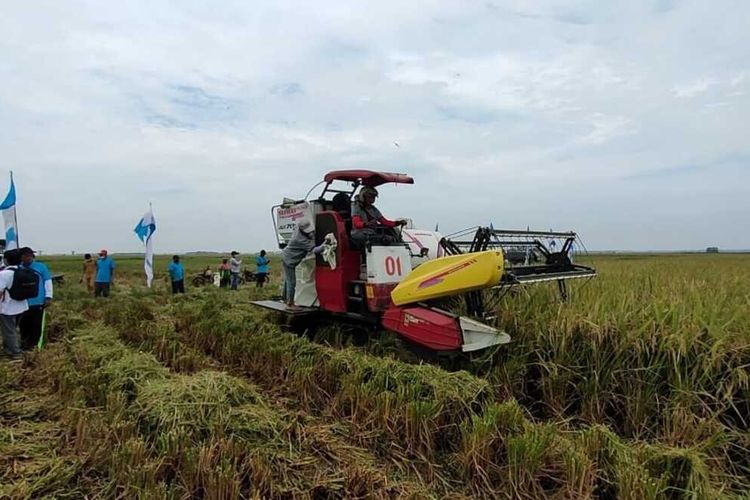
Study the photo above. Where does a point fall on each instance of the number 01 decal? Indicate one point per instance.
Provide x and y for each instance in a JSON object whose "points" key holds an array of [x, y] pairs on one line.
{"points": [[393, 266]]}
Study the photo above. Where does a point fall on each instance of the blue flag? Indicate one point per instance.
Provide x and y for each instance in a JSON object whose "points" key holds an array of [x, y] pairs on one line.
{"points": [[8, 209], [145, 230]]}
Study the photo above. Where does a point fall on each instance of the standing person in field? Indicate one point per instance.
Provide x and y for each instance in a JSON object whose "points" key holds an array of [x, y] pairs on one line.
{"points": [[302, 243], [105, 273], [10, 309], [235, 267], [177, 275], [261, 269], [89, 272], [224, 273], [31, 321]]}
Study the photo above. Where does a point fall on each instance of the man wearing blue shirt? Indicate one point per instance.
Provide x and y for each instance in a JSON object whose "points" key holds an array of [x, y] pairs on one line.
{"points": [[32, 320], [177, 275], [105, 270], [261, 269]]}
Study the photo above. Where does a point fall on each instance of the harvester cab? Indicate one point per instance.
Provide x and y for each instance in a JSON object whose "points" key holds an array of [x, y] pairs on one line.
{"points": [[404, 286]]}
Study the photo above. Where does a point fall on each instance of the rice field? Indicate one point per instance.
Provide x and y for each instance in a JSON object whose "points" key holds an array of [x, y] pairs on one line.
{"points": [[637, 388]]}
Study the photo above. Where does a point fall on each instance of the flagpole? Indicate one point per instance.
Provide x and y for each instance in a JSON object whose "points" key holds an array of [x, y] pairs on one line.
{"points": [[15, 216], [151, 211], [149, 246]]}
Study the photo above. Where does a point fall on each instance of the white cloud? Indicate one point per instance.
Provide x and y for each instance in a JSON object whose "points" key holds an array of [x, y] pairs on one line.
{"points": [[607, 127], [738, 80], [510, 81], [694, 88]]}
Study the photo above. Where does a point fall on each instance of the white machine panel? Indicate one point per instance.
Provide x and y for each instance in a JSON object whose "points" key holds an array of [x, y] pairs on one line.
{"points": [[388, 264], [419, 240], [288, 217]]}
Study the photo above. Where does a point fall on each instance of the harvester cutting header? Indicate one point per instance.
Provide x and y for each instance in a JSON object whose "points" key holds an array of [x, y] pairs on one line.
{"points": [[438, 292]]}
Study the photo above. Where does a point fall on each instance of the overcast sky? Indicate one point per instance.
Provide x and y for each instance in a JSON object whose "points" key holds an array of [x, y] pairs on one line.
{"points": [[627, 121]]}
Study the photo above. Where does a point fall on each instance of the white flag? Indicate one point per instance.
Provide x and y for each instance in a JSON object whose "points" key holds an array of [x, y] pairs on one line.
{"points": [[145, 231]]}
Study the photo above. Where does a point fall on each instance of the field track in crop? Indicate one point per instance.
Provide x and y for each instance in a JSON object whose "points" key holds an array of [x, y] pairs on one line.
{"points": [[636, 388]]}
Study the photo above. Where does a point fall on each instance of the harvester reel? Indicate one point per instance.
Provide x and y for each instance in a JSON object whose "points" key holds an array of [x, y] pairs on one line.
{"points": [[529, 258]]}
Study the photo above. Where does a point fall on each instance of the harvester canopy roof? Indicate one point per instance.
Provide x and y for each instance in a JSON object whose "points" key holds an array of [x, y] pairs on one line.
{"points": [[367, 177]]}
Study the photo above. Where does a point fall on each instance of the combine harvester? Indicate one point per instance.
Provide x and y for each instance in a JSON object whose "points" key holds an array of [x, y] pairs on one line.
{"points": [[410, 288]]}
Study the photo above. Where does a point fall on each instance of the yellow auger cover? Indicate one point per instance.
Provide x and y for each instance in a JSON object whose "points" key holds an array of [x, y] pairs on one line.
{"points": [[450, 276]]}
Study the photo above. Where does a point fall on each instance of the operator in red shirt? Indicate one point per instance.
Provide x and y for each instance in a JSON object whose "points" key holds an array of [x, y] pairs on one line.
{"points": [[368, 224]]}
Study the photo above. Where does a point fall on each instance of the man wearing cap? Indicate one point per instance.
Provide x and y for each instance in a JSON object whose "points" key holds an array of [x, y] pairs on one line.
{"points": [[105, 270], [30, 325], [301, 243], [368, 223]]}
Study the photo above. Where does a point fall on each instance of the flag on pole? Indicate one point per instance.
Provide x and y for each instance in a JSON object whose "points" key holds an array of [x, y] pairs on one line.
{"points": [[8, 209], [145, 231]]}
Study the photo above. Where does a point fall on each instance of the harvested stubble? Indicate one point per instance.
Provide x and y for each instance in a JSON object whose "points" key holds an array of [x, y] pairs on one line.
{"points": [[33, 464], [446, 421], [415, 406], [152, 433], [331, 441], [142, 328], [396, 409]]}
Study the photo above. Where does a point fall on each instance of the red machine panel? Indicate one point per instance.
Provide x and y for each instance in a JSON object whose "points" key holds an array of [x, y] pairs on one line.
{"points": [[379, 296], [427, 327], [332, 285], [367, 177]]}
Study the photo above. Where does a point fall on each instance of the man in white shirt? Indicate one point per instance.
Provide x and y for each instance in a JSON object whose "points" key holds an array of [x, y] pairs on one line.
{"points": [[10, 309]]}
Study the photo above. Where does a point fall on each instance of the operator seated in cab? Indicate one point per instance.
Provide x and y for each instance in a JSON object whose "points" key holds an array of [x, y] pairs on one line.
{"points": [[368, 224]]}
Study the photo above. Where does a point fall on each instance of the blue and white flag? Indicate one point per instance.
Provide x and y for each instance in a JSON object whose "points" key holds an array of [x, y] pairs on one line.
{"points": [[145, 231], [8, 209]]}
